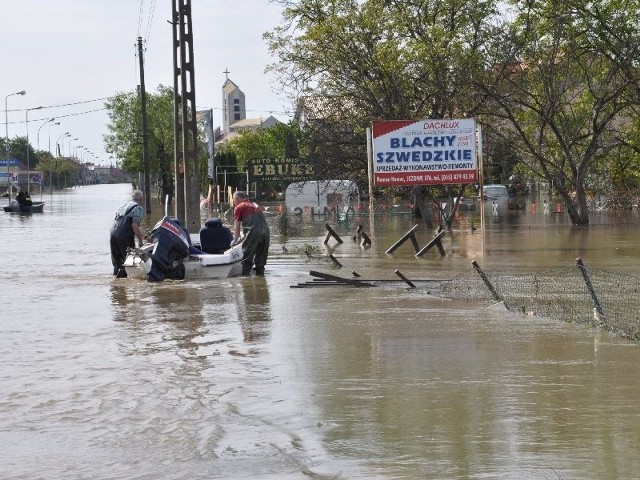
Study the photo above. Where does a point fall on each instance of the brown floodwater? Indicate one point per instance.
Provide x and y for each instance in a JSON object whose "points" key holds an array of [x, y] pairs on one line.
{"points": [[251, 378]]}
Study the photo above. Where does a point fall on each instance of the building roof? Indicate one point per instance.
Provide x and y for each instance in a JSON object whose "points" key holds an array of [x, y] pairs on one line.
{"points": [[247, 124], [229, 86], [254, 123]]}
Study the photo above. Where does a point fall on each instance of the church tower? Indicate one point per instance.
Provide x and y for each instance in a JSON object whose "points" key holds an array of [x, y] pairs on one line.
{"points": [[233, 104]]}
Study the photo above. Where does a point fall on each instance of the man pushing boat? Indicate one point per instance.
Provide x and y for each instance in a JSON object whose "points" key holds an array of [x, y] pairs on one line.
{"points": [[249, 220]]}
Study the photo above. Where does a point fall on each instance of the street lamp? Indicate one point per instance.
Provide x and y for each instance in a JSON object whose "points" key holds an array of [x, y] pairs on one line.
{"points": [[6, 129], [71, 140], [40, 128], [26, 121], [64, 135], [56, 123]]}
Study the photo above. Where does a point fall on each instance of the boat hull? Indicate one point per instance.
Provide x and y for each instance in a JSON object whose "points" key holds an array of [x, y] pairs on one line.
{"points": [[196, 266], [37, 207]]}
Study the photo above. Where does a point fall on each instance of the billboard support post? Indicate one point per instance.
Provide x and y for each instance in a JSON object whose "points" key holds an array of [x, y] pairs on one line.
{"points": [[371, 184]]}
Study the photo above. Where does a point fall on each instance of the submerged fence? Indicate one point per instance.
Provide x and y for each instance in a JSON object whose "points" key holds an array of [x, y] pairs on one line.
{"points": [[573, 294]]}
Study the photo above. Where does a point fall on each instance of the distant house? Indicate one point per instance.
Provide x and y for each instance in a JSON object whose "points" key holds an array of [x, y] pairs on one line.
{"points": [[253, 124], [248, 124]]}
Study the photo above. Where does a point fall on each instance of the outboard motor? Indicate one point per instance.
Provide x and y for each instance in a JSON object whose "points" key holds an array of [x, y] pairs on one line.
{"points": [[172, 242]]}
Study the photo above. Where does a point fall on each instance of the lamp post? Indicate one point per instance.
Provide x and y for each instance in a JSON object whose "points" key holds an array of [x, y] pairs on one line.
{"points": [[40, 128], [26, 121], [64, 135], [55, 123], [6, 129], [71, 140]]}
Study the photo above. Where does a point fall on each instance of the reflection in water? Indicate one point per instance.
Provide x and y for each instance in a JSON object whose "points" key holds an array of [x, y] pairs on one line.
{"points": [[254, 309], [175, 308], [125, 301]]}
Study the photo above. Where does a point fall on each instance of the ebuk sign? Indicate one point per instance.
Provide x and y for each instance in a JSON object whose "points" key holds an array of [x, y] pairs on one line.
{"points": [[425, 152]]}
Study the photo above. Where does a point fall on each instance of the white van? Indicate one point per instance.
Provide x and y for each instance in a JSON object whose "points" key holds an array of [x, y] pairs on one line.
{"points": [[318, 197], [495, 192]]}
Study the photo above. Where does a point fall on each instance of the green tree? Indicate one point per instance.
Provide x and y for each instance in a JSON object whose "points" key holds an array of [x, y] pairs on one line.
{"points": [[278, 141], [560, 82], [124, 140], [18, 150]]}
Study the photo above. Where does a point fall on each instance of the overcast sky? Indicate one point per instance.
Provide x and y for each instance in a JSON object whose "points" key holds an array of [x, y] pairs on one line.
{"points": [[69, 55]]}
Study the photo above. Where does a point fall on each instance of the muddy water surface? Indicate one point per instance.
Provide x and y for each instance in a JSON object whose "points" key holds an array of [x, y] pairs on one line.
{"points": [[250, 378]]}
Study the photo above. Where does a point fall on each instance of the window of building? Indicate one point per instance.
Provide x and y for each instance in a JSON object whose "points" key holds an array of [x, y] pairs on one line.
{"points": [[236, 116]]}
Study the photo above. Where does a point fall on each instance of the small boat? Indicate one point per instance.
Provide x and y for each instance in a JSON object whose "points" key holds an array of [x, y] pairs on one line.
{"points": [[174, 254], [14, 207]]}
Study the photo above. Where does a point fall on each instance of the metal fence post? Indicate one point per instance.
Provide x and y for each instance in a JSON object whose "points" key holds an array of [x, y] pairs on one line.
{"points": [[486, 281], [592, 292]]}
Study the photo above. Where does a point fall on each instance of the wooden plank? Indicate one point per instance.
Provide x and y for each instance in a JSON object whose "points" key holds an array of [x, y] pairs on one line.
{"points": [[436, 241], [405, 279], [403, 239], [331, 232], [335, 278], [335, 260]]}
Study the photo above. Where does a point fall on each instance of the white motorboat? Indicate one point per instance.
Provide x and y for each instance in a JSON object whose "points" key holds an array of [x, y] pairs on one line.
{"points": [[196, 266], [174, 254]]}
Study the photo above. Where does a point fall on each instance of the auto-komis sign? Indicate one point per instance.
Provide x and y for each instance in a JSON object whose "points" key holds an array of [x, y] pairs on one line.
{"points": [[425, 152]]}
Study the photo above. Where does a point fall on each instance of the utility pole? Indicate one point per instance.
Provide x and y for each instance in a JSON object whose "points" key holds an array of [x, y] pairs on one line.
{"points": [[206, 117], [145, 132], [187, 165]]}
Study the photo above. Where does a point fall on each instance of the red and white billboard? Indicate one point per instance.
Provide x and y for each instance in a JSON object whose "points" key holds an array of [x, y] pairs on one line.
{"points": [[424, 152]]}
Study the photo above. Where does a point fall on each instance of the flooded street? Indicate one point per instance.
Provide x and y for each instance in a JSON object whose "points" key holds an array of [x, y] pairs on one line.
{"points": [[249, 378]]}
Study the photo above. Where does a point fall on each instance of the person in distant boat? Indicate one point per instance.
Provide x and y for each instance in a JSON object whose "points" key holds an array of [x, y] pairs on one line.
{"points": [[20, 198], [249, 220], [27, 200], [124, 231]]}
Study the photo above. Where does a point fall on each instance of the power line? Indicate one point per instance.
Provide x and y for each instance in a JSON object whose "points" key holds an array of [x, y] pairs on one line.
{"points": [[59, 116], [140, 15], [270, 112], [153, 10], [63, 104]]}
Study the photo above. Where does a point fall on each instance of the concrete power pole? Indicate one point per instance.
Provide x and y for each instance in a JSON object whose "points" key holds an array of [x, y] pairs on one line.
{"points": [[145, 132], [187, 164]]}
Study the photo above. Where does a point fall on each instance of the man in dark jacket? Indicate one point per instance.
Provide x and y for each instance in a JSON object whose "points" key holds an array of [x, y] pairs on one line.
{"points": [[125, 229], [248, 218]]}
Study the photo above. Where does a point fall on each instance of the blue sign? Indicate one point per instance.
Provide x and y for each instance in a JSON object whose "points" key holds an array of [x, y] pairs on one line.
{"points": [[35, 178]]}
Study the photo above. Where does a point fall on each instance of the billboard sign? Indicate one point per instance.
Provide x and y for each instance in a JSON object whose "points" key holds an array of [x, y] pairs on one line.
{"points": [[424, 152], [281, 169]]}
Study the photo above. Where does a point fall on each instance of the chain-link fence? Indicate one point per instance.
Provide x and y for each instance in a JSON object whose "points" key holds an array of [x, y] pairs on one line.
{"points": [[573, 294]]}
